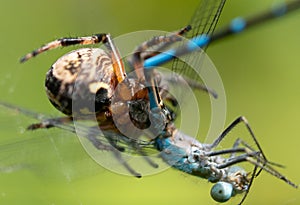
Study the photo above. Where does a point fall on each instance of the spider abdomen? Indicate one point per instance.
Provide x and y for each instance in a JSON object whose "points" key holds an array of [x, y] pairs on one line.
{"points": [[81, 82]]}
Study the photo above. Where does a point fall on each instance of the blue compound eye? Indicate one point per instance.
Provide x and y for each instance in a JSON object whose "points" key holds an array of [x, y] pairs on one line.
{"points": [[221, 191]]}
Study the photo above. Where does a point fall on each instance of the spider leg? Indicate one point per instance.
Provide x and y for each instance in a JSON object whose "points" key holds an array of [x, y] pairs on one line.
{"points": [[113, 137], [63, 42], [91, 134], [146, 158], [88, 40], [178, 80], [118, 65], [114, 148], [167, 42], [125, 164], [148, 77], [140, 53], [198, 86], [49, 123]]}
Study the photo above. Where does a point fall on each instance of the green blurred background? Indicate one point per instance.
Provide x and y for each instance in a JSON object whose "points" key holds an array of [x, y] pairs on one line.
{"points": [[259, 69]]}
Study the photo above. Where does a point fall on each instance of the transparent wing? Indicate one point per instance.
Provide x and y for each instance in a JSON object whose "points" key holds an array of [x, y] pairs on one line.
{"points": [[30, 150], [44, 153], [114, 152], [203, 21]]}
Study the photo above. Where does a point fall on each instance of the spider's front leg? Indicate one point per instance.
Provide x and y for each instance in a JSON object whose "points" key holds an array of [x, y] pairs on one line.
{"points": [[49, 123], [63, 42]]}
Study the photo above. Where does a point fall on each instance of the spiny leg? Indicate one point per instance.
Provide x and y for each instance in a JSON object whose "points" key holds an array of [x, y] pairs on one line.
{"points": [[118, 65], [231, 151], [63, 42], [245, 144], [255, 159], [139, 149], [167, 42], [91, 134], [66, 124], [178, 80], [164, 88], [49, 123], [126, 165], [94, 39], [242, 142], [250, 184], [115, 149], [161, 42], [254, 171], [109, 144], [140, 53], [137, 61], [113, 137], [198, 86], [156, 105], [230, 127]]}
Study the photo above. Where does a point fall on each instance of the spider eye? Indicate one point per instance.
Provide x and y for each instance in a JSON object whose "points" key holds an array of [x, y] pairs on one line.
{"points": [[221, 191]]}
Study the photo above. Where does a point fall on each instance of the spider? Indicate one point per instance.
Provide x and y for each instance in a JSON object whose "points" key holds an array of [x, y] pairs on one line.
{"points": [[92, 83]]}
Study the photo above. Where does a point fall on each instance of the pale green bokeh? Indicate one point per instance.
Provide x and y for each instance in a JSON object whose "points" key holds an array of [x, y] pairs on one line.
{"points": [[259, 69]]}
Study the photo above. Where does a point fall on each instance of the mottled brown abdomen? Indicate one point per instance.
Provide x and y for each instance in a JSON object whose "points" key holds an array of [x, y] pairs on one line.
{"points": [[81, 82]]}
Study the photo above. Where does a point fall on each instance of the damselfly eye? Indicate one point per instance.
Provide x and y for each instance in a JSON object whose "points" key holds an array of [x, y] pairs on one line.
{"points": [[221, 191]]}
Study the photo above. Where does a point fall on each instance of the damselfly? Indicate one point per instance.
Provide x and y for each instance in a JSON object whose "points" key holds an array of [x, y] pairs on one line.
{"points": [[177, 149]]}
